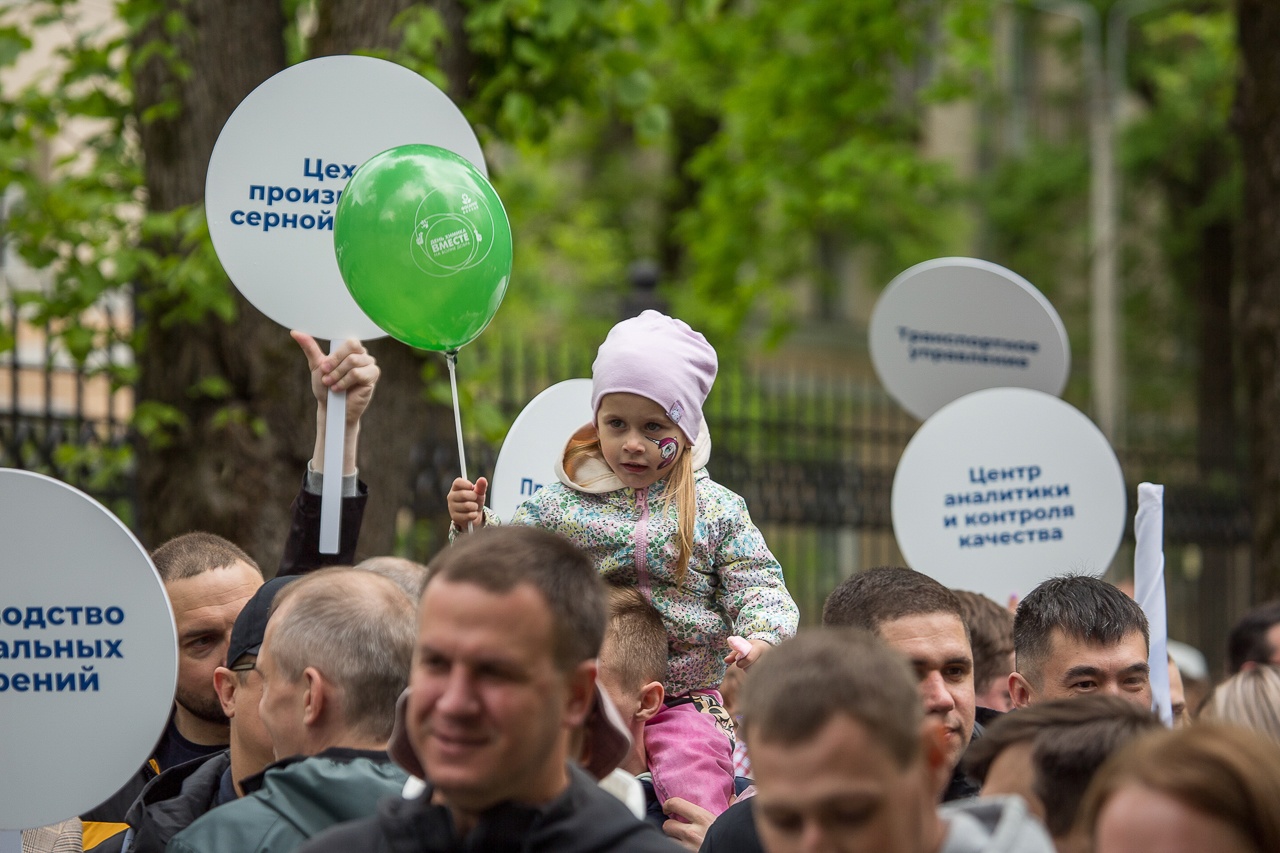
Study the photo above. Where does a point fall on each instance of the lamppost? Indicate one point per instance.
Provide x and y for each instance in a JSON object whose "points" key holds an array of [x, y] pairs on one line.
{"points": [[1105, 82]]}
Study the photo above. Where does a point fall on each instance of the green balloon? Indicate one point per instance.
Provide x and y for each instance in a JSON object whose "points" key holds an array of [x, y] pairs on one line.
{"points": [[424, 246]]}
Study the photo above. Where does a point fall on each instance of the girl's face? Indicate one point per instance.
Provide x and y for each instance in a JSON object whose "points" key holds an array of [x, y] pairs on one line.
{"points": [[638, 440]]}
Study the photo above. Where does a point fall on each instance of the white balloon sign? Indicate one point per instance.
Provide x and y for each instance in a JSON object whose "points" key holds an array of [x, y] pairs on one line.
{"points": [[1005, 488], [90, 652], [536, 442], [275, 177], [951, 326], [278, 169]]}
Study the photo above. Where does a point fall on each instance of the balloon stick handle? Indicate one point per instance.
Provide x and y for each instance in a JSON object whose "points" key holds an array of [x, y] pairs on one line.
{"points": [[452, 358], [335, 438]]}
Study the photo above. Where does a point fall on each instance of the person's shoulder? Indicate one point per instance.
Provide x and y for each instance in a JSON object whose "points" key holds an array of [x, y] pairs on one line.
{"points": [[709, 490], [364, 834], [734, 831], [174, 800], [547, 497], [551, 491], [237, 825], [993, 825], [399, 825], [591, 820]]}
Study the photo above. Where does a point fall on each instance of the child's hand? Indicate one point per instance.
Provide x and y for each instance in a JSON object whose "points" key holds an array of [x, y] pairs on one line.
{"points": [[466, 502], [745, 652]]}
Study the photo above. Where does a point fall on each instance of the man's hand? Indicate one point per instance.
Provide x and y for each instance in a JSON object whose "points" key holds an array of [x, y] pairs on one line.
{"points": [[689, 835], [349, 368], [466, 502]]}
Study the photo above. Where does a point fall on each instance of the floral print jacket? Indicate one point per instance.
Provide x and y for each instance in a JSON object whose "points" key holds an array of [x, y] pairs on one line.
{"points": [[734, 584]]}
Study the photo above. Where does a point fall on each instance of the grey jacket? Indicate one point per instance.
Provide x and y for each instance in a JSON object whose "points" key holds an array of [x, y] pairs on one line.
{"points": [[993, 825], [293, 800]]}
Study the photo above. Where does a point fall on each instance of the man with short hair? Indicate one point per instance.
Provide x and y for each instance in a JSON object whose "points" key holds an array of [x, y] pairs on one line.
{"points": [[920, 619], [334, 658], [1255, 638], [182, 794], [208, 580], [1074, 635], [632, 669], [991, 636], [845, 760], [1048, 753], [924, 621], [504, 672], [410, 576]]}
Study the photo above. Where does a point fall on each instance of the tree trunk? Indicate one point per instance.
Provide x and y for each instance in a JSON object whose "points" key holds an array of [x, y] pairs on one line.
{"points": [[1216, 380], [401, 427], [1257, 120], [226, 474], [218, 474]]}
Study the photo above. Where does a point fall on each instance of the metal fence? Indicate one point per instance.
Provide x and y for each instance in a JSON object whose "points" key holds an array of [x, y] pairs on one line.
{"points": [[65, 418], [813, 455]]}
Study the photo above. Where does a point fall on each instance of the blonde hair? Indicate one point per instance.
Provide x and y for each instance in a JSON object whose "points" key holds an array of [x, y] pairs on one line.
{"points": [[1251, 699], [681, 490]]}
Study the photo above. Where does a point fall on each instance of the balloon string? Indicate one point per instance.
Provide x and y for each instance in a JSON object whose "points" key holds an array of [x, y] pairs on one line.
{"points": [[452, 358]]}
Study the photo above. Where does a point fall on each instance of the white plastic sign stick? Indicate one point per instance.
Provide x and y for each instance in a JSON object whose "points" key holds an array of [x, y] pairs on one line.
{"points": [[951, 326], [90, 657], [335, 437], [1005, 488], [1148, 589], [452, 359], [535, 443]]}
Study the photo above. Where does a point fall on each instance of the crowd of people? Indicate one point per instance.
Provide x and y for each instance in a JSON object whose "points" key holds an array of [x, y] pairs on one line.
{"points": [[619, 667]]}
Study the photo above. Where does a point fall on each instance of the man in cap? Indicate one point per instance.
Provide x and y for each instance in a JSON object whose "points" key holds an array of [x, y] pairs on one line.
{"points": [[334, 658], [208, 580]]}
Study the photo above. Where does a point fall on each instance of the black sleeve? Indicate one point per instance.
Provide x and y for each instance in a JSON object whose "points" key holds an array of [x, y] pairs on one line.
{"points": [[734, 831], [302, 548]]}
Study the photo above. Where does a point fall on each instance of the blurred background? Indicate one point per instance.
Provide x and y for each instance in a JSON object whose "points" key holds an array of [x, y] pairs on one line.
{"points": [[760, 169]]}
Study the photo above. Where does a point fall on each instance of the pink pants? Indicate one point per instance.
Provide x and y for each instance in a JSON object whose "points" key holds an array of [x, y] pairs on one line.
{"points": [[690, 757]]}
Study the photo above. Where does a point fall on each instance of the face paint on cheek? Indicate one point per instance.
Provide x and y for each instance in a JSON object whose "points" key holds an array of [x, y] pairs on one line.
{"points": [[668, 447]]}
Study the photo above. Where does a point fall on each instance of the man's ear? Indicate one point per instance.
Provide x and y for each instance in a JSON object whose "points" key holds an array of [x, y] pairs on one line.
{"points": [[1020, 692], [581, 684], [225, 683], [315, 697], [651, 696]]}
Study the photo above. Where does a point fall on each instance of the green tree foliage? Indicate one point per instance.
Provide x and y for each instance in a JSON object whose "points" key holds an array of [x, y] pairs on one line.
{"points": [[729, 140], [1178, 171]]}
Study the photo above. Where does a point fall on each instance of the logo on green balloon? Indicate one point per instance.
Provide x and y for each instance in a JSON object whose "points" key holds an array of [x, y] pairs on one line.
{"points": [[423, 245], [453, 231]]}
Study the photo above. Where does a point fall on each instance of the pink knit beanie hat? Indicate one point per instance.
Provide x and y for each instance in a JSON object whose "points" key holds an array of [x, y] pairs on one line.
{"points": [[661, 359]]}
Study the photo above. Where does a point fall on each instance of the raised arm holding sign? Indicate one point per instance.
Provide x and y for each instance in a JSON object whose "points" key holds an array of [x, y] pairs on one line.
{"points": [[348, 368], [276, 175]]}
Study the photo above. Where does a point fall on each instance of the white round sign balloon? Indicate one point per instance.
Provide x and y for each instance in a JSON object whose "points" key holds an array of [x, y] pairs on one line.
{"points": [[278, 169], [951, 326], [536, 442], [1005, 488], [90, 652]]}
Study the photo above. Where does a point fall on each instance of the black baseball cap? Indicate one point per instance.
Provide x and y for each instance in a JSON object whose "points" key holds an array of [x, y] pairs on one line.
{"points": [[251, 624]]}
